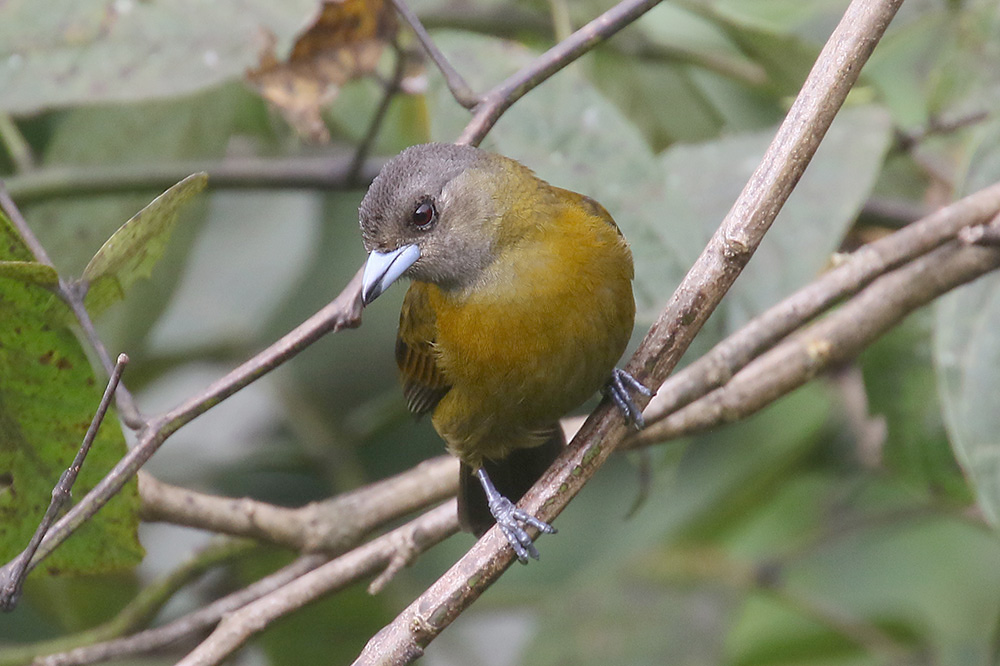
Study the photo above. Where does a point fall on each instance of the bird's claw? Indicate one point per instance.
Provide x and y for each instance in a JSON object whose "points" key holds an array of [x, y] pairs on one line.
{"points": [[510, 519], [621, 387]]}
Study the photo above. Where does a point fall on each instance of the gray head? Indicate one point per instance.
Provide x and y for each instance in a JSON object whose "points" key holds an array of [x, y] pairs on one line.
{"points": [[431, 215]]}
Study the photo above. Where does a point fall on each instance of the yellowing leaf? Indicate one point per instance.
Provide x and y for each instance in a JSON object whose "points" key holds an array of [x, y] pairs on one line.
{"points": [[138, 244], [343, 42]]}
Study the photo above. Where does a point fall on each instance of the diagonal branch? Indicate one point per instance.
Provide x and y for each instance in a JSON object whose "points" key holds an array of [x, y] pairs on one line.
{"points": [[415, 537], [855, 272], [332, 526], [343, 312], [460, 90], [185, 626], [833, 75], [493, 104], [12, 574], [837, 338]]}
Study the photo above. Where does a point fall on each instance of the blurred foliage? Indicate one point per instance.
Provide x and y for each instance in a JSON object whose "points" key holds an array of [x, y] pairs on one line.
{"points": [[773, 541]]}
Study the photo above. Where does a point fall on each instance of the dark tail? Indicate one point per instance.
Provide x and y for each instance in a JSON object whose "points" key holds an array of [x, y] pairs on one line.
{"points": [[512, 476]]}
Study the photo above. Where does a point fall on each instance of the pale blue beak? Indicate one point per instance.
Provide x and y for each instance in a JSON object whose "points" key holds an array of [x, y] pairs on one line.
{"points": [[384, 268]]}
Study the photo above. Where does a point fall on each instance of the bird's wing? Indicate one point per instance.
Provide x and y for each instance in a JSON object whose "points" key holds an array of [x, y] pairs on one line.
{"points": [[589, 205], [423, 382]]}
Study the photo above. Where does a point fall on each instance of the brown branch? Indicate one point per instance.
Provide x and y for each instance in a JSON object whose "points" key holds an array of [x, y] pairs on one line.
{"points": [[322, 173], [343, 312], [460, 90], [331, 526], [833, 75], [833, 340], [361, 153], [236, 628], [13, 573], [140, 610], [852, 274], [512, 21], [73, 298], [185, 626], [936, 125], [493, 104], [981, 235]]}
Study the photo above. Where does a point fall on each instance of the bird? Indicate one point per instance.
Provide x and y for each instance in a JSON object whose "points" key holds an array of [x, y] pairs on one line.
{"points": [[519, 307]]}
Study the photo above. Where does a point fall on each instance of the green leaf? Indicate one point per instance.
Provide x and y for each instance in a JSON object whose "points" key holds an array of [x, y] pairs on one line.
{"points": [[901, 388], [72, 229], [967, 358], [785, 57], [134, 249], [48, 394], [88, 51], [817, 215], [30, 272]]}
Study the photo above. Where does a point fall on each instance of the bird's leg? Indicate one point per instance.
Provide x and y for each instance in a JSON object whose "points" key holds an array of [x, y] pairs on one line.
{"points": [[620, 387], [510, 519]]}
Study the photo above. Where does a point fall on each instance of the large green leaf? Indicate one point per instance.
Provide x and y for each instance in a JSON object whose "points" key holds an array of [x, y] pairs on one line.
{"points": [[967, 352], [817, 215], [87, 51], [48, 394], [901, 388], [134, 249], [967, 357]]}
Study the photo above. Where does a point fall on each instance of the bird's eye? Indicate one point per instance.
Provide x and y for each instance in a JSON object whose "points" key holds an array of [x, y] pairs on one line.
{"points": [[424, 215]]}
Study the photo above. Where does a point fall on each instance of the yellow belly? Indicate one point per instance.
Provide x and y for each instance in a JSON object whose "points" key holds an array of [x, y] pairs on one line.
{"points": [[539, 337]]}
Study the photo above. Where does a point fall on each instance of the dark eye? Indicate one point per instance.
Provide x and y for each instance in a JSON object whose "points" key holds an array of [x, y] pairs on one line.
{"points": [[424, 215]]}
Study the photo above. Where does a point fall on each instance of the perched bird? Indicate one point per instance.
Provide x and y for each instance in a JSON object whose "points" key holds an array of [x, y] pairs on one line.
{"points": [[520, 306]]}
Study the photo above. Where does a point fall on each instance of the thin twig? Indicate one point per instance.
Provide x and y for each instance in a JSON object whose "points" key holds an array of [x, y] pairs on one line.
{"points": [[343, 312], [73, 298], [141, 610], [322, 173], [363, 149], [185, 626], [512, 21], [866, 635], [824, 91], [9, 207], [853, 272], [13, 573], [236, 628], [908, 140], [17, 147], [460, 90], [332, 526], [501, 97], [682, 566]]}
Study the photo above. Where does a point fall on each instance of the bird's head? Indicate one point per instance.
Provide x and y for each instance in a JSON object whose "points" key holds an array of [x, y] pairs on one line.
{"points": [[433, 214]]}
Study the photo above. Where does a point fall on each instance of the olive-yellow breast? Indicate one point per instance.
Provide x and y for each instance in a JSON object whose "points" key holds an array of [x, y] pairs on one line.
{"points": [[520, 306]]}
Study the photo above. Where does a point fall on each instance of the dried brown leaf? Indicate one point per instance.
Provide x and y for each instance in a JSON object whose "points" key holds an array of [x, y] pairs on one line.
{"points": [[343, 42]]}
